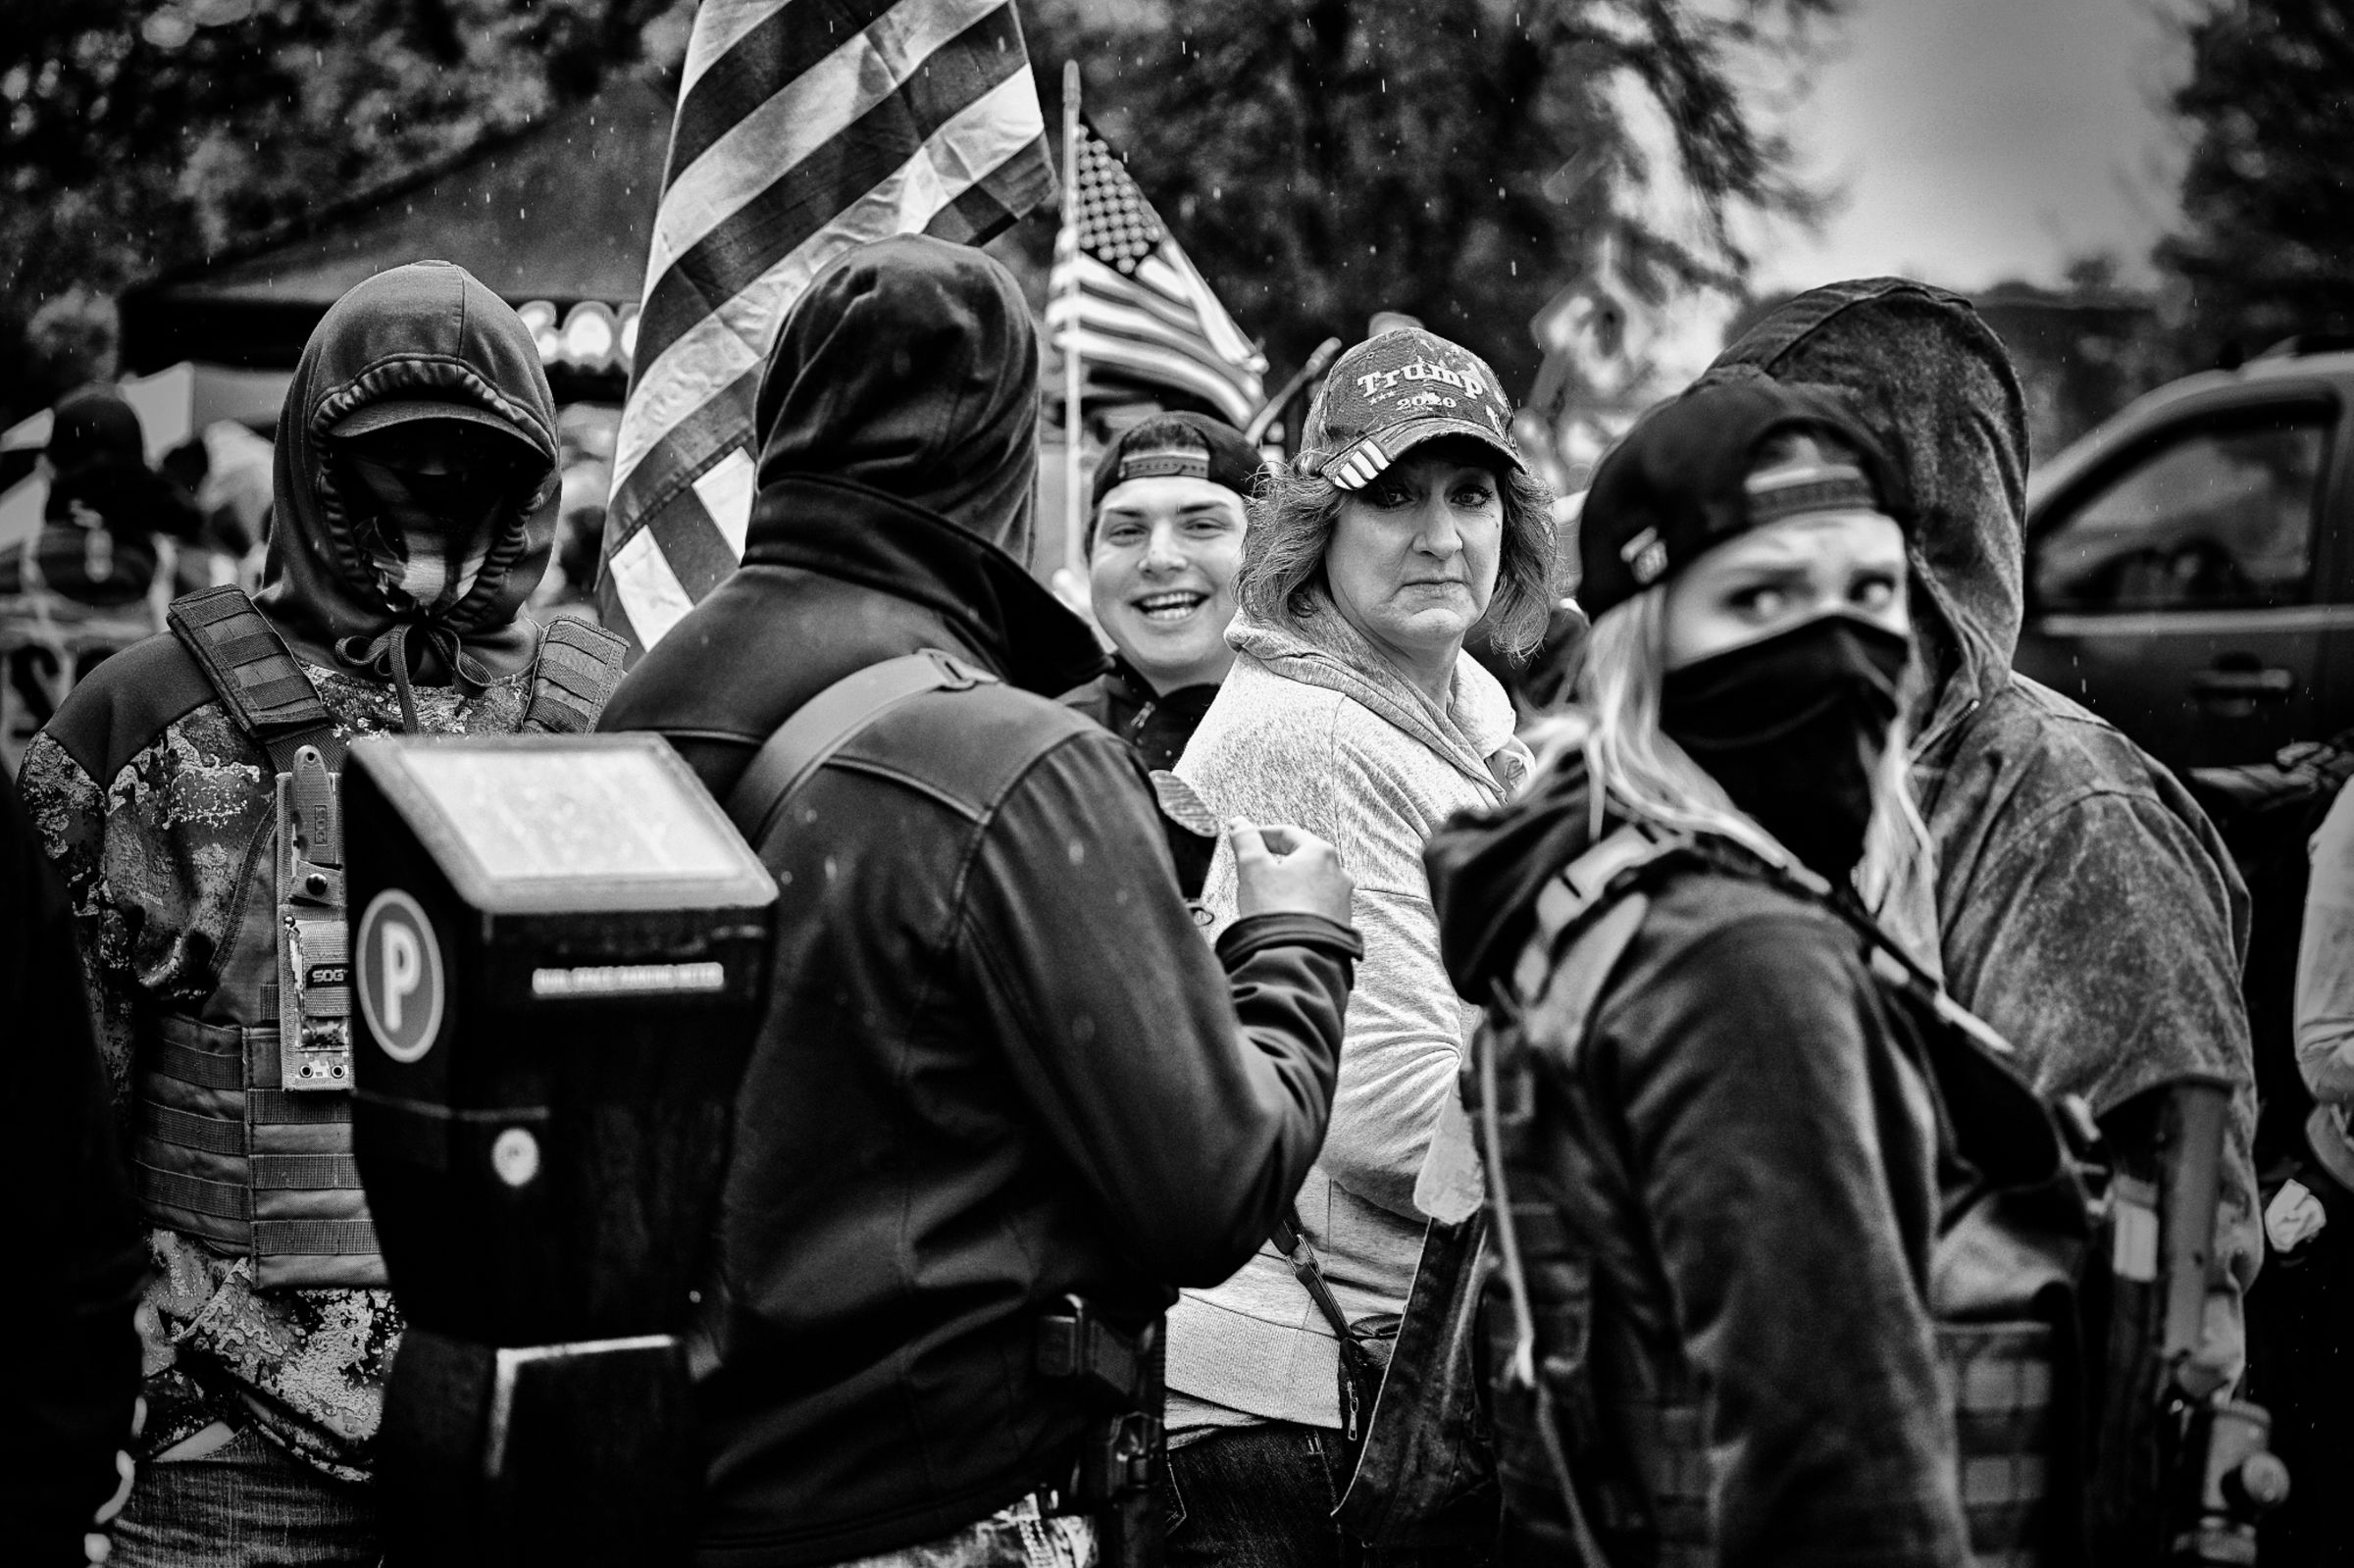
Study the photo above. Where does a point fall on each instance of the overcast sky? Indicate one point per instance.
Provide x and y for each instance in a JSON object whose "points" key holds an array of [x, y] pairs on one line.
{"points": [[1979, 140]]}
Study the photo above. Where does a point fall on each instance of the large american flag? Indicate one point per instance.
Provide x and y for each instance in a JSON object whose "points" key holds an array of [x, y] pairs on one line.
{"points": [[1125, 296], [805, 127]]}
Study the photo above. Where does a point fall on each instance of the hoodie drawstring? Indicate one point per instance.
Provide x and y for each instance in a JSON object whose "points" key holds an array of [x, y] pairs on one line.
{"points": [[387, 658]]}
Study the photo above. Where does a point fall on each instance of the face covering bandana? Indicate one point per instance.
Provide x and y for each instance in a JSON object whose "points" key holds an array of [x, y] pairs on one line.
{"points": [[431, 531], [1790, 727]]}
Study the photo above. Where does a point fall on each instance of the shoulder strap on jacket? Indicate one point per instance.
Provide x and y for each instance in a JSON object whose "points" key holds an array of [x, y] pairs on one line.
{"points": [[823, 723], [256, 678], [576, 669], [1570, 898]]}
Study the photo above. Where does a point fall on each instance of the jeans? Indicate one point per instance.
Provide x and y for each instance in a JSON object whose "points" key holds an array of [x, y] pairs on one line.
{"points": [[1262, 1497], [246, 1505], [1014, 1537]]}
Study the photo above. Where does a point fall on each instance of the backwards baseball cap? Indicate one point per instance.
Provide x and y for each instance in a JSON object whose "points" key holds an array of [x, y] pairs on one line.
{"points": [[1390, 393], [391, 411], [94, 425], [1687, 478], [1175, 445]]}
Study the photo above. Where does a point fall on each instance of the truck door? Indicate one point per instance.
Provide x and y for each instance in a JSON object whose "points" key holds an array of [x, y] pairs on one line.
{"points": [[2178, 591]]}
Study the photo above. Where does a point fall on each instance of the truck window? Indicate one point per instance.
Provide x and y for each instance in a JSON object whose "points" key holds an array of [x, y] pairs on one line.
{"points": [[2216, 517]]}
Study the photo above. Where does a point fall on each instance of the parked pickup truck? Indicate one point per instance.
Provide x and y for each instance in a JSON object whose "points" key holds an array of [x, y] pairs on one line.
{"points": [[2190, 567]]}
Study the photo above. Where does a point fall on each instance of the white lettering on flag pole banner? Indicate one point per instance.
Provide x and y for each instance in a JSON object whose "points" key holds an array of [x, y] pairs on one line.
{"points": [[924, 117]]}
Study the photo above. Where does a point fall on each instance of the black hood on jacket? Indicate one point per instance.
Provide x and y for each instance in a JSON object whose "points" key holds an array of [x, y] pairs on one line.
{"points": [[1487, 866], [911, 365], [852, 533]]}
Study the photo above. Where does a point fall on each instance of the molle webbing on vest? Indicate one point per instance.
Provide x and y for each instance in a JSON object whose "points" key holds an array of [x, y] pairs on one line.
{"points": [[256, 1171], [578, 668], [256, 678]]}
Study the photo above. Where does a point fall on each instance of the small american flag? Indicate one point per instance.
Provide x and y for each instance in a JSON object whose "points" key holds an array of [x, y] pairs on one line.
{"points": [[1124, 295], [805, 127]]}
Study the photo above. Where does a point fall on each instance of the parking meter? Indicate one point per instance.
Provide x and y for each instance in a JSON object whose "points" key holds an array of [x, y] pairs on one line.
{"points": [[558, 948]]}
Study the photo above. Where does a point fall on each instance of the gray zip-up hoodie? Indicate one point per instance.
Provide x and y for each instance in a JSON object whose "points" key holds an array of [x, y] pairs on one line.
{"points": [[2084, 905], [1314, 727]]}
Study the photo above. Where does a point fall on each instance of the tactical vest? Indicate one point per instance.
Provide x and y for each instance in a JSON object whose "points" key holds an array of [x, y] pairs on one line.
{"points": [[243, 1123], [1590, 1448]]}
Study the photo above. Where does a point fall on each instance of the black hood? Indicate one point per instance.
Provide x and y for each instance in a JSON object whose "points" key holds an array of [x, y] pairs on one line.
{"points": [[1486, 869], [910, 367]]}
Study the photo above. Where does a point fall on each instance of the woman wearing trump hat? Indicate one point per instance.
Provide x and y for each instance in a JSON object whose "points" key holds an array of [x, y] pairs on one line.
{"points": [[1352, 710]]}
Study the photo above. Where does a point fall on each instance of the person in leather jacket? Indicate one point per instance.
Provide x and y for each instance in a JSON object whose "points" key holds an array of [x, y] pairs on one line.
{"points": [[998, 1066]]}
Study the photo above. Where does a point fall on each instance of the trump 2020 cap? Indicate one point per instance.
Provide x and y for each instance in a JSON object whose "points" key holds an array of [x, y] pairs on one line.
{"points": [[1390, 393], [1688, 477]]}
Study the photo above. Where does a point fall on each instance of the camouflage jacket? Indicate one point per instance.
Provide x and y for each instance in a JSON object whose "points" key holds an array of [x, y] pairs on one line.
{"points": [[150, 825]]}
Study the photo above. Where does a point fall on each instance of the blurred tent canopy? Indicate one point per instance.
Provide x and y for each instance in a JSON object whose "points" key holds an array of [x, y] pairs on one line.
{"points": [[561, 211]]}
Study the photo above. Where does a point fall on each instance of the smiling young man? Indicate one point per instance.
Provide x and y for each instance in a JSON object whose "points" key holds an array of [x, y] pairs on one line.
{"points": [[1165, 541]]}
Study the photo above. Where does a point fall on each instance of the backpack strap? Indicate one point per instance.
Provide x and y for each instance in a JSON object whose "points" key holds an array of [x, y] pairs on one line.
{"points": [[822, 726], [576, 669], [1594, 908], [1583, 884], [1452, 1184], [255, 678]]}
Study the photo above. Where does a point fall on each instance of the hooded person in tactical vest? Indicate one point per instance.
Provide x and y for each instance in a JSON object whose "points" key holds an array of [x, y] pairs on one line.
{"points": [[186, 791], [2082, 903]]}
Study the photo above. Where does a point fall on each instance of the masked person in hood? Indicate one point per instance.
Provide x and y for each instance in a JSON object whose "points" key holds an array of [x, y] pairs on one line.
{"points": [[1718, 1136], [998, 1068], [1352, 709], [2082, 902], [415, 480]]}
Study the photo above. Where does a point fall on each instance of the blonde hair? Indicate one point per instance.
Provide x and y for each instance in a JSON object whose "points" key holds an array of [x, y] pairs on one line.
{"points": [[1633, 763]]}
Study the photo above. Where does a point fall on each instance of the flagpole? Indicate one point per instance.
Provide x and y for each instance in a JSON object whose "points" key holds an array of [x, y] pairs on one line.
{"points": [[1073, 535]]}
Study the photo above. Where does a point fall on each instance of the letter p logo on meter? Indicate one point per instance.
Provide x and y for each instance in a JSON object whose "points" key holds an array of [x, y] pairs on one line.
{"points": [[397, 964]]}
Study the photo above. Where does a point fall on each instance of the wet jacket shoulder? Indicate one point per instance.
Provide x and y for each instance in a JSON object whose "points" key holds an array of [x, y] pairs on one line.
{"points": [[2036, 802]]}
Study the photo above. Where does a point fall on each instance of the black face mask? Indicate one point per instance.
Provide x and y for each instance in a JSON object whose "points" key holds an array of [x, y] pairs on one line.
{"points": [[1789, 727]]}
